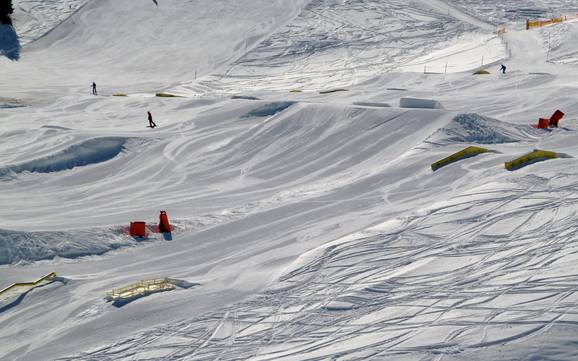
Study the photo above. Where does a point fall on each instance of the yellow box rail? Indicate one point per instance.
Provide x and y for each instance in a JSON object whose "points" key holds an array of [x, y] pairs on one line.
{"points": [[140, 288], [532, 157], [462, 154], [530, 24], [49, 277], [167, 95]]}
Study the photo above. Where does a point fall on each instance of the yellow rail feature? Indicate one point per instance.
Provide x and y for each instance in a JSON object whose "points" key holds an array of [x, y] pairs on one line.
{"points": [[167, 95], [530, 158], [530, 24], [333, 91], [462, 154], [140, 289], [49, 277]]}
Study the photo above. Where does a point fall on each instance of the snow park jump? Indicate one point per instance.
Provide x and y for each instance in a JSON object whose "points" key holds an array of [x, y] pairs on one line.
{"points": [[341, 186]]}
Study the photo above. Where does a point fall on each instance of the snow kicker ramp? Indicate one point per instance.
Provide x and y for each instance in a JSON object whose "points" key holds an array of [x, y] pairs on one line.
{"points": [[92, 151]]}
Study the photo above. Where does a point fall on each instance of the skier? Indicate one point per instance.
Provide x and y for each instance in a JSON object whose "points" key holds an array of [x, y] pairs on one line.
{"points": [[94, 92], [503, 69], [150, 117]]}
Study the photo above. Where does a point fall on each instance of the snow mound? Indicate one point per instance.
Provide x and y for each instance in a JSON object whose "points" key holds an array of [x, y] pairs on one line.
{"points": [[372, 104], [7, 103], [475, 128], [16, 246], [92, 151], [244, 97], [415, 103], [270, 109]]}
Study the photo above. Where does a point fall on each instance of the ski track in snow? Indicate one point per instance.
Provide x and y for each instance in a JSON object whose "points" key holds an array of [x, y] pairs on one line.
{"points": [[337, 43], [485, 268]]}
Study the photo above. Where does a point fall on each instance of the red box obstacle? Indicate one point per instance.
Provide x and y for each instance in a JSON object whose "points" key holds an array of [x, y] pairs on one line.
{"points": [[164, 225], [555, 118], [138, 229], [543, 123]]}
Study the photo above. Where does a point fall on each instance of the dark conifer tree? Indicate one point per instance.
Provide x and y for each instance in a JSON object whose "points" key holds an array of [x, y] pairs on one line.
{"points": [[6, 10]]}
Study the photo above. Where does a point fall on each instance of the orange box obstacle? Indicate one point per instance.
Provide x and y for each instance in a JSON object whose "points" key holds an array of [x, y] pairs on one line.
{"points": [[555, 118], [164, 225], [138, 229]]}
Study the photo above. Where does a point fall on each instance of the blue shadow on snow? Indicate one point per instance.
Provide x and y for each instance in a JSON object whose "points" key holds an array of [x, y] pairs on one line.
{"points": [[9, 43]]}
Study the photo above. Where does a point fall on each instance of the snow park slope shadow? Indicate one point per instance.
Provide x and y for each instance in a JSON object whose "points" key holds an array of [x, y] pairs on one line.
{"points": [[475, 128], [92, 151], [269, 110], [9, 43]]}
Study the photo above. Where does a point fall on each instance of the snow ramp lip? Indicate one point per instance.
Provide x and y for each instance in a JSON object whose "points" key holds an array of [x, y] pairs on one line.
{"points": [[269, 109], [91, 151]]}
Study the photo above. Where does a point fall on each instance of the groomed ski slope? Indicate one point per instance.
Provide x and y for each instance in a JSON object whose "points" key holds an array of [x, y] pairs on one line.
{"points": [[310, 224]]}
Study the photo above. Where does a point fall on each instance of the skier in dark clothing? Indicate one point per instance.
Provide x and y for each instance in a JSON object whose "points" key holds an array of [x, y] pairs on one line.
{"points": [[503, 69], [150, 117], [94, 92]]}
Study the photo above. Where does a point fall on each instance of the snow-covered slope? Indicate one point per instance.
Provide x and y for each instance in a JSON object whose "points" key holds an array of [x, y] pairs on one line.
{"points": [[308, 225], [34, 18], [128, 43], [336, 43]]}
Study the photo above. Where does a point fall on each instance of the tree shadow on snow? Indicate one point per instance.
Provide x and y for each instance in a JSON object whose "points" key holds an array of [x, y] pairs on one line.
{"points": [[9, 43]]}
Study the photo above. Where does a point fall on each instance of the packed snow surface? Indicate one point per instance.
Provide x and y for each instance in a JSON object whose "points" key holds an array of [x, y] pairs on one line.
{"points": [[294, 164]]}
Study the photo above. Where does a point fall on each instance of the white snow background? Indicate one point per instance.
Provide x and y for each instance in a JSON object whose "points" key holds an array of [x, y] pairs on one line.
{"points": [[306, 213]]}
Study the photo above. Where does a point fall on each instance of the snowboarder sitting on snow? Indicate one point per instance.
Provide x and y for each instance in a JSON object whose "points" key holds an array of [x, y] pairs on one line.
{"points": [[94, 92], [503, 69], [150, 117]]}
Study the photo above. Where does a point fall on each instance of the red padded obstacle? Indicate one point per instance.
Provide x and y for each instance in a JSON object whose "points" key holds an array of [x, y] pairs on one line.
{"points": [[543, 123], [164, 225], [555, 118], [138, 229]]}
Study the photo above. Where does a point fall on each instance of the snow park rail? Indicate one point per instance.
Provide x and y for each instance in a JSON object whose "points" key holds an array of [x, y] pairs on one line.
{"points": [[462, 154], [140, 289], [530, 158], [49, 277], [531, 24]]}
